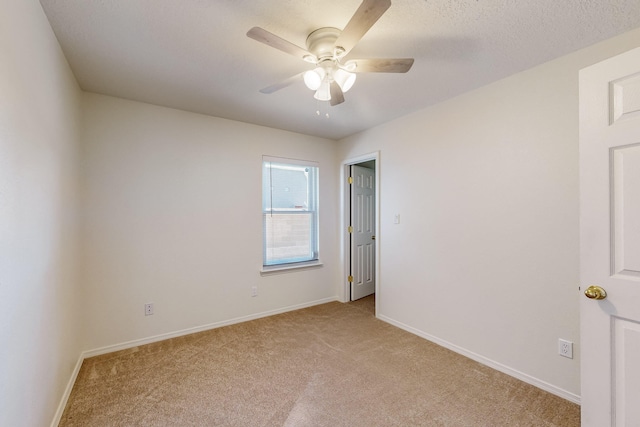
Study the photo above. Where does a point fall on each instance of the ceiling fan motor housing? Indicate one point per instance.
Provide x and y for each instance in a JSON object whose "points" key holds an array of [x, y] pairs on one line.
{"points": [[322, 42]]}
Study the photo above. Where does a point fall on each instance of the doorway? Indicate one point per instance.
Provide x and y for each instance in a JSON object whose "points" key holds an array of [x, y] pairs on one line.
{"points": [[360, 217]]}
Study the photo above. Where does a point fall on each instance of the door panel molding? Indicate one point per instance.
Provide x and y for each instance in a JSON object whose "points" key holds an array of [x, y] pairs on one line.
{"points": [[344, 222], [610, 241], [362, 238]]}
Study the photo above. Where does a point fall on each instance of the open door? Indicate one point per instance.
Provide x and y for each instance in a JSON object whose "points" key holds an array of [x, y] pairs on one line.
{"points": [[610, 241], [362, 232]]}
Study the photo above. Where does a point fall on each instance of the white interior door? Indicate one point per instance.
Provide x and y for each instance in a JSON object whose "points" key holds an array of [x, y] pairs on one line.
{"points": [[610, 241], [362, 232]]}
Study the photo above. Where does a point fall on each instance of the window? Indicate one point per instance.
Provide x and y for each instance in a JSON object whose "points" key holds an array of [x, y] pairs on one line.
{"points": [[289, 211]]}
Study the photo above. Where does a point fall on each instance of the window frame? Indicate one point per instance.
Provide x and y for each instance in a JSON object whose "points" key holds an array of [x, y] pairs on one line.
{"points": [[312, 209]]}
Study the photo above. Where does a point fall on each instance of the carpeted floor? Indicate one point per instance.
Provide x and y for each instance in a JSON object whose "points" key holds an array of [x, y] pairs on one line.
{"points": [[329, 365]]}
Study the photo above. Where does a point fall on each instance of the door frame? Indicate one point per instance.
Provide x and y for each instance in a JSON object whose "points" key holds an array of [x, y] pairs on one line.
{"points": [[345, 203]]}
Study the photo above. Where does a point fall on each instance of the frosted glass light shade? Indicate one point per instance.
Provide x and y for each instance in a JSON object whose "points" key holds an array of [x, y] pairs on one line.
{"points": [[313, 78], [345, 79], [324, 92]]}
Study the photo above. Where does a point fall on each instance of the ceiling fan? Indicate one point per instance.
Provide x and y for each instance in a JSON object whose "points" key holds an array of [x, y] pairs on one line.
{"points": [[326, 49]]}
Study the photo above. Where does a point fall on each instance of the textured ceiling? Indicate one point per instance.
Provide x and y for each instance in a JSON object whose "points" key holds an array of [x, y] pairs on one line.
{"points": [[194, 55]]}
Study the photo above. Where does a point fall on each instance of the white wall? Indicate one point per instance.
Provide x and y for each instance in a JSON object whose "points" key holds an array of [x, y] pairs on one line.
{"points": [[172, 215], [485, 258], [39, 127]]}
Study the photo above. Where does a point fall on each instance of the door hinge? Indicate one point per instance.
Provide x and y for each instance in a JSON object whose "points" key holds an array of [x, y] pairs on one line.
{"points": [[350, 279], [350, 229], [350, 180]]}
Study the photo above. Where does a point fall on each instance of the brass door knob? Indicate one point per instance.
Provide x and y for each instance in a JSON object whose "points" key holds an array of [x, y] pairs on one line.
{"points": [[373, 237], [595, 292]]}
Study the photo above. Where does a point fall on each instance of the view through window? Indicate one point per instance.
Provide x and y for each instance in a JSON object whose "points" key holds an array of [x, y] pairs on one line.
{"points": [[290, 211]]}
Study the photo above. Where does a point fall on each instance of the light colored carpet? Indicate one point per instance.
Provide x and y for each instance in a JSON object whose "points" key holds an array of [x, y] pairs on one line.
{"points": [[330, 365]]}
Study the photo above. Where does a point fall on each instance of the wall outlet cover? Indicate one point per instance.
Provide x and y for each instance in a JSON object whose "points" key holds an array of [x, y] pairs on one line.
{"points": [[565, 348]]}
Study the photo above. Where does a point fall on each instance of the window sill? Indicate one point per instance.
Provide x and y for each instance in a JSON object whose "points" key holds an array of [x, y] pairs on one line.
{"points": [[277, 269]]}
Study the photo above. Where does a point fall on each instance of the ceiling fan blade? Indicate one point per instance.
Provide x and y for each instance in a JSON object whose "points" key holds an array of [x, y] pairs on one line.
{"points": [[337, 97], [264, 36], [367, 14], [387, 65], [288, 82]]}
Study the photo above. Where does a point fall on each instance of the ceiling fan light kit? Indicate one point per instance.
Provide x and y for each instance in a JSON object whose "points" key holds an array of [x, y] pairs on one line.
{"points": [[326, 48], [313, 78], [345, 79], [320, 80], [324, 92]]}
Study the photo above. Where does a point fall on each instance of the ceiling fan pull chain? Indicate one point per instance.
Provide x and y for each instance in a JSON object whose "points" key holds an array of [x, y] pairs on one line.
{"points": [[319, 109]]}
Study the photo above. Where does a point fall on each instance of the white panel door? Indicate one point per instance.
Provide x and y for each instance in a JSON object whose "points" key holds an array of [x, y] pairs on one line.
{"points": [[363, 232], [610, 241]]}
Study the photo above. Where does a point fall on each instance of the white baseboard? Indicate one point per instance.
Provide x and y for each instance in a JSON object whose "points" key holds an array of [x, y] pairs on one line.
{"points": [[488, 362], [67, 392], [161, 337], [134, 343]]}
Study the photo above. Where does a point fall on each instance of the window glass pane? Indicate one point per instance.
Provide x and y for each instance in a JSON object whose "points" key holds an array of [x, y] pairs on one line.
{"points": [[289, 204], [286, 186], [289, 237]]}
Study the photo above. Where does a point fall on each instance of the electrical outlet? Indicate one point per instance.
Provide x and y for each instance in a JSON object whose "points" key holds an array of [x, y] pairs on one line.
{"points": [[565, 348], [148, 309], [254, 291]]}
